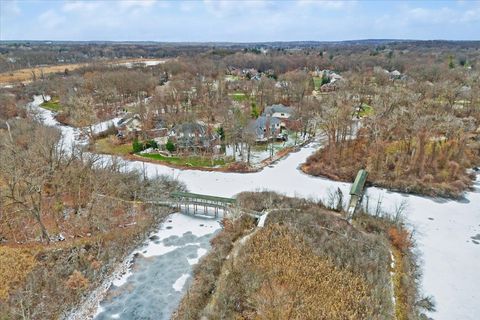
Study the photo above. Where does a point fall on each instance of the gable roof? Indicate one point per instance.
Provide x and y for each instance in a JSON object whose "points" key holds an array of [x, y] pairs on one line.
{"points": [[277, 108], [190, 129], [259, 125]]}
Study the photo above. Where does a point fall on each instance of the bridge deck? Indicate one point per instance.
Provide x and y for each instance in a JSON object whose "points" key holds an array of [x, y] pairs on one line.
{"points": [[202, 200], [204, 197]]}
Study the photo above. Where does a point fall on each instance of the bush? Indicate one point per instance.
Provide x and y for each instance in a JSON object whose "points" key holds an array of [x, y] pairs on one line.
{"points": [[400, 238], [151, 144], [255, 113], [221, 133], [137, 146], [77, 281], [170, 146]]}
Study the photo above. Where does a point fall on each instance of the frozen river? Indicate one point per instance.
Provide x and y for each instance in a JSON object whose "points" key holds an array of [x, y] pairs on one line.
{"points": [[161, 271], [444, 230]]}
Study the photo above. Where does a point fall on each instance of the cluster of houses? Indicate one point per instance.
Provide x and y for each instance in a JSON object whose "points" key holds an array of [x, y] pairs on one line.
{"points": [[333, 79], [393, 75], [248, 73], [197, 135], [189, 135]]}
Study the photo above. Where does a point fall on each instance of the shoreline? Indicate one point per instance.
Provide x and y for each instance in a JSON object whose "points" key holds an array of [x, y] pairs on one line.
{"points": [[89, 307], [459, 197], [263, 164]]}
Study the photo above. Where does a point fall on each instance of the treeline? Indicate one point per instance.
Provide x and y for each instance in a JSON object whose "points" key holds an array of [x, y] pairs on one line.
{"points": [[415, 136], [25, 54]]}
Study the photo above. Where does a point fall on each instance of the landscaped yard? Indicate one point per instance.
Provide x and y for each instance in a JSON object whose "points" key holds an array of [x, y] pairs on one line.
{"points": [[195, 161], [107, 146]]}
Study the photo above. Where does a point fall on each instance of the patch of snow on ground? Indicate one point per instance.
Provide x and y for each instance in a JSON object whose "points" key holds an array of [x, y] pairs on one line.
{"points": [[122, 279], [103, 126], [150, 63]]}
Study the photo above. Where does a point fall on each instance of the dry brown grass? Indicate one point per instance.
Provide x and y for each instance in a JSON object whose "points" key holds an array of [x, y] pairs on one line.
{"points": [[25, 75], [444, 172], [15, 264], [284, 279]]}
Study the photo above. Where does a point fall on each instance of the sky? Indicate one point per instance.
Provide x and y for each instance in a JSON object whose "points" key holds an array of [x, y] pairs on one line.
{"points": [[238, 21]]}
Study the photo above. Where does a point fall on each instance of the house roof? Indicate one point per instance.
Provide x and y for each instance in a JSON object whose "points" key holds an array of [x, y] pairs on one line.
{"points": [[190, 128], [259, 125], [128, 119], [280, 108]]}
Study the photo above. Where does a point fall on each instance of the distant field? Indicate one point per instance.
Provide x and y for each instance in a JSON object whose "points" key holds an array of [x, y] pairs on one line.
{"points": [[22, 75], [25, 75]]}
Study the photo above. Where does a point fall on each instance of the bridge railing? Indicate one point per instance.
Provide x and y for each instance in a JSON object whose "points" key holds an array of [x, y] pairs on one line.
{"points": [[196, 200]]}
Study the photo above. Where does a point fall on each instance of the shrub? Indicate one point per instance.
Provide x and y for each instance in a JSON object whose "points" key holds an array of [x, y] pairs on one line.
{"points": [[170, 146], [137, 146], [151, 144], [77, 281], [221, 133], [255, 112], [400, 238]]}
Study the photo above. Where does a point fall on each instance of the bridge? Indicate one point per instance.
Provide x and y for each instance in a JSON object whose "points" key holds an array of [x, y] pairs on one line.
{"points": [[356, 193], [194, 203]]}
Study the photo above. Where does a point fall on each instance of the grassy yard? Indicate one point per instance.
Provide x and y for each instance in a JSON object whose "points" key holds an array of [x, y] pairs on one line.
{"points": [[107, 146], [367, 110], [231, 78], [52, 105], [317, 82], [239, 96], [188, 161]]}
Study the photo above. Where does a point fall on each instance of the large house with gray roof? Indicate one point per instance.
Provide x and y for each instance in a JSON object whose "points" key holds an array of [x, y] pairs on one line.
{"points": [[193, 135]]}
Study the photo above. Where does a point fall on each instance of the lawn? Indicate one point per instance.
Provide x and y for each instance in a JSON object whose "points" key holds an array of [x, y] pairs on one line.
{"points": [[366, 110], [52, 105], [239, 96], [188, 161], [317, 82], [107, 146], [231, 78]]}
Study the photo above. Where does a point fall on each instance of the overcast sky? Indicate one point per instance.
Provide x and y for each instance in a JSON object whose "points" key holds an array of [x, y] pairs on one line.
{"points": [[238, 21]]}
